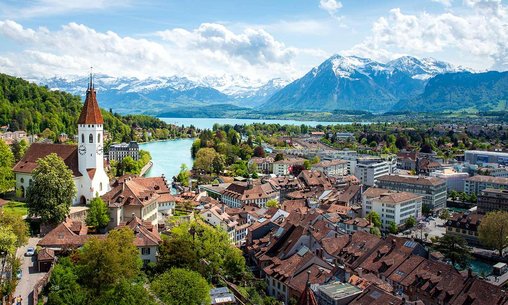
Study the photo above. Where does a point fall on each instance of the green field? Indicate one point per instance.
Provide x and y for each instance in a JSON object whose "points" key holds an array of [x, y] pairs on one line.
{"points": [[18, 208]]}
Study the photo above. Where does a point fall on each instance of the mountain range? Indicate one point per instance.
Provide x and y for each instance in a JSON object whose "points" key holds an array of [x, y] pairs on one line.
{"points": [[339, 83]]}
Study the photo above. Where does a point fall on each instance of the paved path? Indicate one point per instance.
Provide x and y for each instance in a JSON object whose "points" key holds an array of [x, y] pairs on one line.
{"points": [[30, 275]]}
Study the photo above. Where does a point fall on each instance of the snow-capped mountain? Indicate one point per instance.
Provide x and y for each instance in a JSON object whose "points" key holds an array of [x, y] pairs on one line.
{"points": [[156, 94], [356, 83], [424, 68]]}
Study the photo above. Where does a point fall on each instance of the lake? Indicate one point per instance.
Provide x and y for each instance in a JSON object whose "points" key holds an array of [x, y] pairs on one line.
{"points": [[168, 156], [203, 123]]}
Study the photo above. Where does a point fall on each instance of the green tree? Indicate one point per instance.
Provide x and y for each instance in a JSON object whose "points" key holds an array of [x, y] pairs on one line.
{"points": [[180, 286], [375, 231], [272, 203], [493, 230], [63, 285], [444, 214], [8, 240], [410, 222], [125, 293], [104, 262], [455, 249], [183, 175], [6, 164], [307, 164], [98, 214], [279, 157], [52, 190], [393, 228], [19, 148], [218, 164], [204, 159], [374, 218], [16, 224]]}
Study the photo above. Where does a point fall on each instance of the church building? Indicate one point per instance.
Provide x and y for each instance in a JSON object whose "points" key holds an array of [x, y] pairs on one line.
{"points": [[85, 159]]}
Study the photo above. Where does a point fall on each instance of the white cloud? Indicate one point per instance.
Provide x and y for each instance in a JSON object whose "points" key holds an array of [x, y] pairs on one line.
{"points": [[480, 33], [210, 49], [256, 46], [332, 7]]}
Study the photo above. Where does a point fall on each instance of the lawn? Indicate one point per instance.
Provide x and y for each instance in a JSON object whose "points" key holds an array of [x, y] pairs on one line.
{"points": [[18, 208]]}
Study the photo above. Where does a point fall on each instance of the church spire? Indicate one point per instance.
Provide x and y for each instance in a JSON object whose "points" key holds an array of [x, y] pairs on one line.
{"points": [[307, 297], [91, 113]]}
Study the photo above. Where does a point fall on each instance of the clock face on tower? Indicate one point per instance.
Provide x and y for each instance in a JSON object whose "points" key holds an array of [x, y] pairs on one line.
{"points": [[99, 150], [82, 149]]}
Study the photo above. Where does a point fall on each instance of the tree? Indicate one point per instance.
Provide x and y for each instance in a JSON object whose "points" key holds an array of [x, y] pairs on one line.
{"points": [[183, 175], [126, 293], [52, 190], [16, 224], [375, 231], [6, 163], [204, 159], [393, 228], [181, 286], [104, 262], [444, 215], [18, 149], [279, 157], [453, 194], [410, 222], [7, 240], [259, 151], [98, 215], [297, 169], [63, 285], [493, 230], [307, 165], [455, 249], [374, 218], [272, 203], [218, 164]]}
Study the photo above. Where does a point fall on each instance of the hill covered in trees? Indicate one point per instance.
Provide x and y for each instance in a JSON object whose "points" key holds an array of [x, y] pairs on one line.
{"points": [[27, 106]]}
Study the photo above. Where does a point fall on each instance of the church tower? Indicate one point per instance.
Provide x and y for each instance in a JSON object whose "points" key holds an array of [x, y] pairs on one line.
{"points": [[90, 146]]}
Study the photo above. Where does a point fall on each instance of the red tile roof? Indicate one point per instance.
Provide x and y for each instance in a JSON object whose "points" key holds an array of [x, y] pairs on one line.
{"points": [[91, 113], [69, 154]]}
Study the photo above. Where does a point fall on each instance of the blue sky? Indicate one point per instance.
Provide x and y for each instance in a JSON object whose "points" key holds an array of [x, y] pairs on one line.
{"points": [[256, 39]]}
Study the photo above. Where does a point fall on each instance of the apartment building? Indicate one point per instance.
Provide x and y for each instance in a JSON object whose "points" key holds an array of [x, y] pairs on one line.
{"points": [[391, 205], [369, 172], [332, 168], [119, 151], [492, 200], [476, 184], [432, 189]]}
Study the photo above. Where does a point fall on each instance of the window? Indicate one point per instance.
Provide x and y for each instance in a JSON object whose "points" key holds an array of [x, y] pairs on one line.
{"points": [[99, 138], [82, 138], [100, 186], [22, 180], [145, 251]]}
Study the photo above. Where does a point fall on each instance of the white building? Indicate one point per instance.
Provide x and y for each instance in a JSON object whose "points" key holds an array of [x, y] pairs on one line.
{"points": [[391, 206], [284, 167], [478, 183], [119, 151], [454, 180], [85, 160], [333, 168], [369, 172], [216, 216]]}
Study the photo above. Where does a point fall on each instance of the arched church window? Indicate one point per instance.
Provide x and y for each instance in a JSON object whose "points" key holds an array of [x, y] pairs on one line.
{"points": [[22, 180], [100, 186], [82, 138], [90, 138], [99, 138]]}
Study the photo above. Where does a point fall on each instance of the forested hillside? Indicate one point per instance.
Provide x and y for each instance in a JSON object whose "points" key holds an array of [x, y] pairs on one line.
{"points": [[27, 106]]}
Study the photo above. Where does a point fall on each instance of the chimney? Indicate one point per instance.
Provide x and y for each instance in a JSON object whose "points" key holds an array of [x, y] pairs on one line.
{"points": [[133, 215], [360, 271]]}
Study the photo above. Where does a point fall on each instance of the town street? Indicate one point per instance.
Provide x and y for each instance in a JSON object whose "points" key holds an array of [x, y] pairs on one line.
{"points": [[30, 276]]}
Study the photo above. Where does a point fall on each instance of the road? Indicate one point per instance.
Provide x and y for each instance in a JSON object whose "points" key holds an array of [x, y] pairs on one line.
{"points": [[30, 275]]}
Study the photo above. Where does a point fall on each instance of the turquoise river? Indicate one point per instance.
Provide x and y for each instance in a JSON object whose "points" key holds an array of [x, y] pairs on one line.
{"points": [[168, 156]]}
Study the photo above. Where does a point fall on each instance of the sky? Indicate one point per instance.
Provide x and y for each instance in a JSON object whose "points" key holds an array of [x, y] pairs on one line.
{"points": [[255, 39]]}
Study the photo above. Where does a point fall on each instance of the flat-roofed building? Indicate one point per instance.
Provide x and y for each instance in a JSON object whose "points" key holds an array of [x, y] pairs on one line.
{"points": [[337, 293], [432, 189], [476, 184], [368, 173], [480, 156], [492, 200], [332, 168], [391, 206]]}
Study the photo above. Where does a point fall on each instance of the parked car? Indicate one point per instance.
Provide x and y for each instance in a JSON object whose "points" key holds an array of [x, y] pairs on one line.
{"points": [[19, 274], [30, 251]]}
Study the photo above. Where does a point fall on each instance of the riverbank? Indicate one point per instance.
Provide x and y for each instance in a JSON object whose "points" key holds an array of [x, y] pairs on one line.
{"points": [[146, 168]]}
